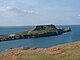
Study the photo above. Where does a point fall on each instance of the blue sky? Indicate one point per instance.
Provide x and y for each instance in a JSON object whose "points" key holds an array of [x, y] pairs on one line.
{"points": [[32, 12]]}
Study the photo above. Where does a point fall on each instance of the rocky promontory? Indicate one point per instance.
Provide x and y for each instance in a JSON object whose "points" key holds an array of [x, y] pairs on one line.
{"points": [[36, 32]]}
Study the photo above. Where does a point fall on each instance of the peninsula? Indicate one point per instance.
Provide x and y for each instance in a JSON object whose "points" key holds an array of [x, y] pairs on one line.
{"points": [[36, 32]]}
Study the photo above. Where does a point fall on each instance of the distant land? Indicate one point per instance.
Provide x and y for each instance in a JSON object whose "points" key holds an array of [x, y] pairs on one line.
{"points": [[36, 32]]}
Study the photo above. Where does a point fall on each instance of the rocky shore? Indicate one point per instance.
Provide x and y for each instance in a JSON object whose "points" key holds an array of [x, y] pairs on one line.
{"points": [[36, 32]]}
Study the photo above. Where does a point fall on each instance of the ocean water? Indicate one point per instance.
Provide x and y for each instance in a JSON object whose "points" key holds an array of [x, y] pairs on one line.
{"points": [[43, 42]]}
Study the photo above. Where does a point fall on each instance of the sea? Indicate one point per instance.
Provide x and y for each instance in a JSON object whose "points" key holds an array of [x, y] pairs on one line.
{"points": [[43, 42]]}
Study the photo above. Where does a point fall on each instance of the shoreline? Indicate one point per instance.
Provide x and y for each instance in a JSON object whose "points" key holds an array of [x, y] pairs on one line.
{"points": [[36, 32], [55, 51]]}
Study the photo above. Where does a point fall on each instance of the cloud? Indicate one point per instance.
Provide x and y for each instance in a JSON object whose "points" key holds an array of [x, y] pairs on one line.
{"points": [[79, 15], [18, 10], [15, 10]]}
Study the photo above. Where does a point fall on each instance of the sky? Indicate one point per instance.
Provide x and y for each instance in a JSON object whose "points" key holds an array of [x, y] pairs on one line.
{"points": [[33, 12]]}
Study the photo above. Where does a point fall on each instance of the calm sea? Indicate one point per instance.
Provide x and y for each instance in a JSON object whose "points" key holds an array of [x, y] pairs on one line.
{"points": [[68, 37]]}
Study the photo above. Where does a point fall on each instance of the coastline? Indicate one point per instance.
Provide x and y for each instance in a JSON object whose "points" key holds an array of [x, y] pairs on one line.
{"points": [[36, 32], [69, 51]]}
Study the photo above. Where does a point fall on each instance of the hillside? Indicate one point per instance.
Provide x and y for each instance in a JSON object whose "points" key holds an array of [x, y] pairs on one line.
{"points": [[69, 51], [42, 31], [36, 32]]}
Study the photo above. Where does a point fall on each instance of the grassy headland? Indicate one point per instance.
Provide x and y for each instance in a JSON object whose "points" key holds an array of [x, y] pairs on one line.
{"points": [[69, 51], [36, 32]]}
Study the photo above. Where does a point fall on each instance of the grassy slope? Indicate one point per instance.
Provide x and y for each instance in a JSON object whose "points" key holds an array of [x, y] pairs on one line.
{"points": [[69, 52], [39, 30]]}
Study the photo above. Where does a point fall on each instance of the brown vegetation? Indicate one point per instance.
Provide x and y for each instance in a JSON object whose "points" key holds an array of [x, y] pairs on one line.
{"points": [[14, 53]]}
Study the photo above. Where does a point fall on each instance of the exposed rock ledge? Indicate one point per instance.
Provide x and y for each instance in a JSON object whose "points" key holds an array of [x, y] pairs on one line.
{"points": [[36, 32]]}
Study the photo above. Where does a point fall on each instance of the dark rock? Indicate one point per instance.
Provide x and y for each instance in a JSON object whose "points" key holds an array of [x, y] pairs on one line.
{"points": [[25, 48], [66, 29]]}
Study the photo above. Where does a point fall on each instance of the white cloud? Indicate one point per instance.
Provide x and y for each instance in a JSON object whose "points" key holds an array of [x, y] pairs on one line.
{"points": [[16, 10], [28, 11], [79, 15], [8, 7]]}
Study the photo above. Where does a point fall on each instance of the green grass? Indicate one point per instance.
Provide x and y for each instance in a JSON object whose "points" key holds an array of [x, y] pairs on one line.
{"points": [[71, 52], [68, 54], [49, 57]]}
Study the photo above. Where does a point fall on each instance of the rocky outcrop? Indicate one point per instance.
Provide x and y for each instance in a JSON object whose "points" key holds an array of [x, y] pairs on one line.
{"points": [[36, 32], [66, 29]]}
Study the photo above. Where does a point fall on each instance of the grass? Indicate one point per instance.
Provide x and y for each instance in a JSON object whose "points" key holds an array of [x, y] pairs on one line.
{"points": [[70, 53], [49, 57]]}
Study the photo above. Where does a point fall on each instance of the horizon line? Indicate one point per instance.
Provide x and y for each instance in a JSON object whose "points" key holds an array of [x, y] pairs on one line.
{"points": [[35, 25]]}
